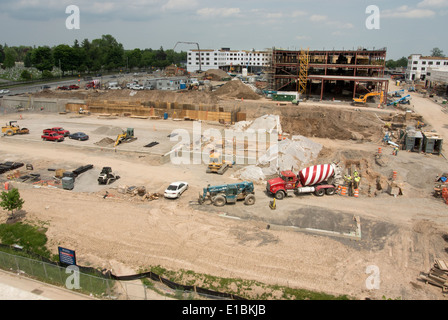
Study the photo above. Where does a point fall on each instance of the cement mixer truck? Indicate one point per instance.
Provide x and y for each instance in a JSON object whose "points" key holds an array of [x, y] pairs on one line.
{"points": [[320, 179]]}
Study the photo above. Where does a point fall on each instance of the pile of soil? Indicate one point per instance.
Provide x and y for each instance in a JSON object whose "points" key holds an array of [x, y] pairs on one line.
{"points": [[216, 74], [236, 89], [106, 142], [108, 131], [332, 123]]}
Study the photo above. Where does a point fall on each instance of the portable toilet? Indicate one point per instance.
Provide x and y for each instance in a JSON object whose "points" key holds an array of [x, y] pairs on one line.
{"points": [[414, 141], [432, 143], [68, 183]]}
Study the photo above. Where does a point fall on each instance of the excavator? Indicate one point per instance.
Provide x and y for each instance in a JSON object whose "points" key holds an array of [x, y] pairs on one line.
{"points": [[363, 99], [126, 136]]}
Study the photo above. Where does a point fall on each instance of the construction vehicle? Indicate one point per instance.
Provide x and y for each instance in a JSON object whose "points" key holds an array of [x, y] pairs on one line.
{"points": [[107, 176], [126, 136], [217, 164], [319, 179], [12, 128], [363, 99], [396, 94], [402, 100], [229, 193]]}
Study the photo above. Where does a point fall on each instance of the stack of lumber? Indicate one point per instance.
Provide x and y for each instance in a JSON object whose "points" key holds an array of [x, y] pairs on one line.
{"points": [[438, 275]]}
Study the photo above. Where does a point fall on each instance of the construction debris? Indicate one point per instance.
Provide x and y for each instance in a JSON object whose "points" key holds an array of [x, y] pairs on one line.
{"points": [[437, 275]]}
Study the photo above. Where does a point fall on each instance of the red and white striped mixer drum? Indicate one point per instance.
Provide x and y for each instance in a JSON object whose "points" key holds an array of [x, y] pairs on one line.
{"points": [[316, 174]]}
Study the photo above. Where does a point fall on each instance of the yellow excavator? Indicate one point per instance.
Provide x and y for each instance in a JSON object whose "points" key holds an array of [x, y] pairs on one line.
{"points": [[126, 136], [13, 129], [363, 98], [217, 164]]}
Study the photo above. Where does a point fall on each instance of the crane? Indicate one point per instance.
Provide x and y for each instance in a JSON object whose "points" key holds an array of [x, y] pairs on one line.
{"points": [[199, 50]]}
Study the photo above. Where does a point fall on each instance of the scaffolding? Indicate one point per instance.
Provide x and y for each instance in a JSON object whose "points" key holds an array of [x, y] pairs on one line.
{"points": [[304, 59]]}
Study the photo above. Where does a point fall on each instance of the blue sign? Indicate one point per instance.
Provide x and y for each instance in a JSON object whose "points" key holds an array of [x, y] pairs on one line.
{"points": [[67, 256]]}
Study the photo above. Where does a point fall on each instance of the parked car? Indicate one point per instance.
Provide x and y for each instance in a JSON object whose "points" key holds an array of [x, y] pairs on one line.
{"points": [[81, 136], [137, 87], [63, 88], [52, 136], [73, 87], [5, 91], [149, 87], [58, 130], [175, 189], [46, 87]]}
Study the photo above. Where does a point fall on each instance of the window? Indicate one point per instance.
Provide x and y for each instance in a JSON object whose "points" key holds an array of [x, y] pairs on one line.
{"points": [[424, 62], [430, 63], [438, 63], [423, 69], [428, 74], [415, 62], [415, 68]]}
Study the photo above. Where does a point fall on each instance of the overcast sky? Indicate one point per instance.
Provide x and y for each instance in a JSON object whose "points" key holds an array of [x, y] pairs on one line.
{"points": [[405, 27]]}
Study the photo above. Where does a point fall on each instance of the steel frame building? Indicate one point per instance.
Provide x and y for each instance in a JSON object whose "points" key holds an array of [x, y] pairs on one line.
{"points": [[330, 73]]}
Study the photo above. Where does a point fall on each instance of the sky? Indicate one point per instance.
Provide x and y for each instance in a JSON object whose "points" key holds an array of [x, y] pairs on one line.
{"points": [[403, 27]]}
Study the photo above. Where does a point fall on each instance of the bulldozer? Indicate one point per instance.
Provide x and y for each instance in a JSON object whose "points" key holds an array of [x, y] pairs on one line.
{"points": [[217, 164], [125, 136], [12, 129]]}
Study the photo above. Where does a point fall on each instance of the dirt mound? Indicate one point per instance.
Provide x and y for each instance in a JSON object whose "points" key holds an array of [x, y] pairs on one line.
{"points": [[106, 142], [216, 74], [236, 89], [108, 131], [332, 123]]}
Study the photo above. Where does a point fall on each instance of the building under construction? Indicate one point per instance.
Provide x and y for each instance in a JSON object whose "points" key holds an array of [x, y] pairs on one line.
{"points": [[328, 74]]}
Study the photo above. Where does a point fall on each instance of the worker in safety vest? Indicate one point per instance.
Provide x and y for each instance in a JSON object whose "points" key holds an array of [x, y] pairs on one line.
{"points": [[356, 180]]}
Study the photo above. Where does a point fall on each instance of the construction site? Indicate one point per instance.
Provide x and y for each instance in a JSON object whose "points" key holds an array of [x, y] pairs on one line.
{"points": [[339, 169]]}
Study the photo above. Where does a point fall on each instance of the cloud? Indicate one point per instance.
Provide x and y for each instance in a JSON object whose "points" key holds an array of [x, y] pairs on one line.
{"points": [[179, 4], [218, 12], [318, 18], [433, 4], [408, 13]]}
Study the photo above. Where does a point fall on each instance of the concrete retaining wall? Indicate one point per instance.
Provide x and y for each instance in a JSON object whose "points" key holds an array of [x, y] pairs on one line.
{"points": [[10, 104]]}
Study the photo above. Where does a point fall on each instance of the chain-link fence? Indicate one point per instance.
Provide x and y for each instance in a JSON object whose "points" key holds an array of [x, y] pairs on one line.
{"points": [[107, 286]]}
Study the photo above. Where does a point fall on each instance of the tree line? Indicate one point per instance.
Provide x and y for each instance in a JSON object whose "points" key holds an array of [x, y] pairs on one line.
{"points": [[105, 53]]}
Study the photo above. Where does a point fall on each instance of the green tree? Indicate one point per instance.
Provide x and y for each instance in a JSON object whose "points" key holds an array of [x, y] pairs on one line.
{"points": [[25, 75], [42, 58], [11, 200], [436, 52], [10, 58], [64, 56]]}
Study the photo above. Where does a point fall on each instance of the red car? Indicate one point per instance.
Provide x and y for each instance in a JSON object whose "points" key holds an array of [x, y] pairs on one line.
{"points": [[73, 87], [52, 136], [58, 130], [63, 88]]}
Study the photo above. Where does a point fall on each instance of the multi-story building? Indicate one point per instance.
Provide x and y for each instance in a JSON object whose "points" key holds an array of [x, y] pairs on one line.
{"points": [[330, 74], [227, 60], [418, 66]]}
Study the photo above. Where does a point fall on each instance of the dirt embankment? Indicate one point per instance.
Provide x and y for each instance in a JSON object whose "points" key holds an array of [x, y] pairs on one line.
{"points": [[331, 123]]}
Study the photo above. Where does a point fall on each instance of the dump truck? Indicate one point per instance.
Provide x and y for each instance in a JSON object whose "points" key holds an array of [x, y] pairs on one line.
{"points": [[320, 179], [217, 164], [13, 128], [107, 176], [229, 193]]}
